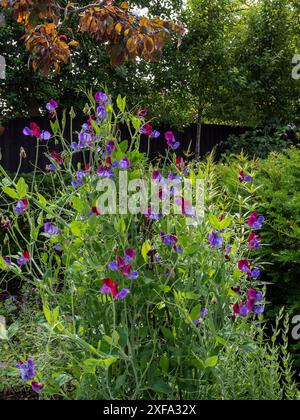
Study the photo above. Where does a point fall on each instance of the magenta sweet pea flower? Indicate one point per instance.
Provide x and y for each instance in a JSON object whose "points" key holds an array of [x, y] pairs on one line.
{"points": [[171, 141], [255, 221], [126, 270], [36, 386], [130, 255]]}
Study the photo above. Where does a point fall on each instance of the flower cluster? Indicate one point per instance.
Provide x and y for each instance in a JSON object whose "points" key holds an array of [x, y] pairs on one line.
{"points": [[28, 374], [124, 264], [34, 131], [252, 304]]}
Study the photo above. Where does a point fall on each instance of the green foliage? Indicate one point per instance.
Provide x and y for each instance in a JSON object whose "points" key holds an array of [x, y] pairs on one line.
{"points": [[257, 143]]}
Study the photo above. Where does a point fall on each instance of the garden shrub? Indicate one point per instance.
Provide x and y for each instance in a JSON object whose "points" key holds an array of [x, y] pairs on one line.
{"points": [[136, 306], [257, 143]]}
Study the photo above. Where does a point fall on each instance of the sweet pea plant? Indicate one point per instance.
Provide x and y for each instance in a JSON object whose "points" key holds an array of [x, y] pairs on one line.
{"points": [[143, 306]]}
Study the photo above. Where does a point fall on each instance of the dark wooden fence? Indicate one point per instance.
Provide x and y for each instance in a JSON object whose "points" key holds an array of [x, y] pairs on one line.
{"points": [[13, 140]]}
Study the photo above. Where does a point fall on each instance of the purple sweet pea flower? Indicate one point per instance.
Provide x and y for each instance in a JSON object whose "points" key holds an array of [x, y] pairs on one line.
{"points": [[45, 135], [134, 275], [244, 311], [122, 294], [7, 261], [215, 239], [115, 164], [168, 239], [27, 370], [155, 134], [259, 297], [101, 97], [203, 314], [51, 229], [125, 163], [113, 266], [51, 167], [85, 139], [101, 112], [255, 273], [258, 310]]}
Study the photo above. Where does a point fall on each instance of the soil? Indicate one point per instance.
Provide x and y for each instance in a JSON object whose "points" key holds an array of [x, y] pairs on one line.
{"points": [[14, 394]]}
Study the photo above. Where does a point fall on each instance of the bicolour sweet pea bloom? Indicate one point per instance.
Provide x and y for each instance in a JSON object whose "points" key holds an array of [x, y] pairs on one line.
{"points": [[146, 129], [24, 259], [151, 215], [95, 211], [109, 287], [254, 241], [21, 207], [51, 229], [252, 294], [171, 141], [56, 157], [142, 113], [105, 172], [255, 221], [32, 131], [36, 386], [130, 255], [243, 311], [51, 106], [27, 369], [215, 239], [121, 262], [245, 267], [122, 294], [168, 239], [126, 270], [124, 163], [156, 176], [245, 178], [186, 207], [101, 98], [181, 165]]}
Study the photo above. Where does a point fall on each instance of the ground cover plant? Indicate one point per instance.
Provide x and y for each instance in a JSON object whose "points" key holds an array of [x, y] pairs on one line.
{"points": [[117, 305]]}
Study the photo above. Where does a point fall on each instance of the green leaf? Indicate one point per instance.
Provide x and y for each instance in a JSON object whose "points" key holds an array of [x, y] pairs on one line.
{"points": [[92, 364], [214, 221], [42, 200], [211, 362], [51, 316], [10, 192], [22, 188], [145, 249], [121, 103], [164, 364], [78, 228], [225, 223], [161, 387], [136, 122]]}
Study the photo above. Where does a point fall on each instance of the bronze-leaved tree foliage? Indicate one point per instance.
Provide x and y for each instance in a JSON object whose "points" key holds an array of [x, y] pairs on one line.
{"points": [[126, 36]]}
